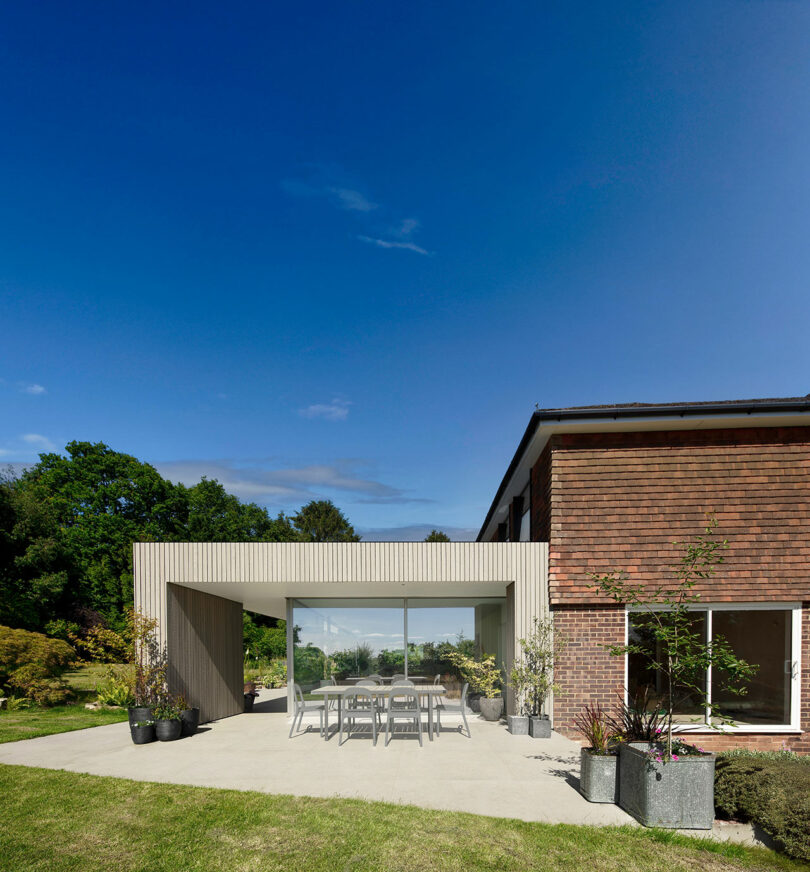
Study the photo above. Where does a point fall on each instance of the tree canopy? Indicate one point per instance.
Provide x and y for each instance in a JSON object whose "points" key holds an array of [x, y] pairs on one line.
{"points": [[67, 526], [322, 521], [437, 536]]}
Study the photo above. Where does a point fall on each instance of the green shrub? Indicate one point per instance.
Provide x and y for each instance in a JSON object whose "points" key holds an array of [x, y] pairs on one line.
{"points": [[19, 703], [773, 793], [117, 687], [276, 675], [31, 665]]}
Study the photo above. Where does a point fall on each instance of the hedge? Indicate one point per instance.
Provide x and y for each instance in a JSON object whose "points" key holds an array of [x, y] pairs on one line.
{"points": [[772, 793]]}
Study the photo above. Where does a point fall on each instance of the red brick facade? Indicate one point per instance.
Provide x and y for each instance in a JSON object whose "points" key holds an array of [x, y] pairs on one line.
{"points": [[619, 500]]}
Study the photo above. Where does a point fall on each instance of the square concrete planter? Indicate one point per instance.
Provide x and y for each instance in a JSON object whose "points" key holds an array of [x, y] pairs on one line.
{"points": [[518, 725], [540, 728], [675, 795], [598, 776]]}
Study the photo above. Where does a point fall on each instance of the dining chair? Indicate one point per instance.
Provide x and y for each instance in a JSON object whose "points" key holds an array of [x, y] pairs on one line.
{"points": [[302, 706], [397, 676], [359, 705], [452, 708], [403, 705]]}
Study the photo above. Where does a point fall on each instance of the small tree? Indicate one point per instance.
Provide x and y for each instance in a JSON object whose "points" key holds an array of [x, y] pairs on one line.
{"points": [[322, 521], [532, 675], [484, 675], [680, 653], [437, 536]]}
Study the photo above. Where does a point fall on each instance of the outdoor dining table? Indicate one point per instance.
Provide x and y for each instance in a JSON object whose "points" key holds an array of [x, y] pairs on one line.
{"points": [[432, 691]]}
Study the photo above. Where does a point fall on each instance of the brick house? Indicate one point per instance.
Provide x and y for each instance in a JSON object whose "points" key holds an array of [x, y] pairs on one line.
{"points": [[613, 487]]}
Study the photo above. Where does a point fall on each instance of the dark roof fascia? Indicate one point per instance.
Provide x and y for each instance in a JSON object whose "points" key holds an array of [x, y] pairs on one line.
{"points": [[615, 413]]}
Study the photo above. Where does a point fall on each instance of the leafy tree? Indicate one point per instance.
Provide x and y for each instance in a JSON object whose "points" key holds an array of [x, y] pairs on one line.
{"points": [[265, 638], [322, 521], [679, 652], [437, 536]]}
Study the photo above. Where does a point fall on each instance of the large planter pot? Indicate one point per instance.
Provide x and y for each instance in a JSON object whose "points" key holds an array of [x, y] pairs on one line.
{"points": [[518, 725], [139, 713], [474, 702], [249, 697], [598, 776], [143, 735], [189, 720], [168, 731], [540, 728], [674, 795], [491, 709]]}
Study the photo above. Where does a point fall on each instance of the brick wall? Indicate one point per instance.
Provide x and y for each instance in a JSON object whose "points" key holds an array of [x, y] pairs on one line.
{"points": [[619, 500], [586, 672]]}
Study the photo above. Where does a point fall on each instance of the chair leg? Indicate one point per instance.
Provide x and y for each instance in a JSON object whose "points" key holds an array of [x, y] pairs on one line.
{"points": [[466, 725], [418, 721], [292, 728]]}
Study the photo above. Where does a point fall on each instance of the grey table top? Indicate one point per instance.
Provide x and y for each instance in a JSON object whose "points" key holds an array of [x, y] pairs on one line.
{"points": [[378, 690]]}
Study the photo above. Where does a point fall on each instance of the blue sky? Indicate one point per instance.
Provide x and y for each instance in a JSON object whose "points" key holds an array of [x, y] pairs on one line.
{"points": [[320, 250]]}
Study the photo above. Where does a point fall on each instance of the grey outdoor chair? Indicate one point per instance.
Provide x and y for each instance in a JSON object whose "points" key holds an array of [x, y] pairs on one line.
{"points": [[452, 708], [403, 705], [402, 682], [359, 705], [302, 706], [366, 682], [397, 676]]}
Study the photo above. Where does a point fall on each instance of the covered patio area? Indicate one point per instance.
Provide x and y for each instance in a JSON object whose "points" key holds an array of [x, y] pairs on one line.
{"points": [[493, 773]]}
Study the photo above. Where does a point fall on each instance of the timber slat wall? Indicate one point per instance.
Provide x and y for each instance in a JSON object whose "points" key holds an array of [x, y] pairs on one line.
{"points": [[205, 651]]}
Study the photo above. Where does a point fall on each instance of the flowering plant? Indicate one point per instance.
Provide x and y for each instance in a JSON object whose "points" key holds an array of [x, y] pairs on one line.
{"points": [[659, 754]]}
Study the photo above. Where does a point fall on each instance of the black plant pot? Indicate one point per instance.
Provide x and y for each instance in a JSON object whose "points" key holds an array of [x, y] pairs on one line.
{"points": [[168, 731], [140, 713], [190, 720], [143, 735], [249, 697]]}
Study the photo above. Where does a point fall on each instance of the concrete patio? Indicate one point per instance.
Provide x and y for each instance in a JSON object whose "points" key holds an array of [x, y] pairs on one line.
{"points": [[493, 773]]}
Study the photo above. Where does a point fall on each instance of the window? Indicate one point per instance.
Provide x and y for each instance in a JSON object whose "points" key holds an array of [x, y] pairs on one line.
{"points": [[525, 519], [768, 636]]}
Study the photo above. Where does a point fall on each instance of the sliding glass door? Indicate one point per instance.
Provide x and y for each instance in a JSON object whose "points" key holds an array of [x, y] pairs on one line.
{"points": [[349, 639]]}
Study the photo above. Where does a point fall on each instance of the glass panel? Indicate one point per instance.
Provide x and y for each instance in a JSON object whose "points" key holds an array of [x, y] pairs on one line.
{"points": [[347, 639], [688, 704], [764, 638], [473, 625], [525, 527]]}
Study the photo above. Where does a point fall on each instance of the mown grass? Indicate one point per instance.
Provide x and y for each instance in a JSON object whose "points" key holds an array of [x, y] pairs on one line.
{"points": [[33, 722], [66, 821]]}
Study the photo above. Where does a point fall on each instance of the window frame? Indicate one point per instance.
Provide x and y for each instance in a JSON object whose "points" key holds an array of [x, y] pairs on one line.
{"points": [[795, 608]]}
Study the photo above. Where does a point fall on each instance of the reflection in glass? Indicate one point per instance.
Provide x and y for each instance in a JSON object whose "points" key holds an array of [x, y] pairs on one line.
{"points": [[763, 638]]}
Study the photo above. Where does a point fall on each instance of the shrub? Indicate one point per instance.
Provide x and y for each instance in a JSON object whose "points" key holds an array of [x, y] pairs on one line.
{"points": [[31, 665], [772, 793], [276, 675], [597, 727], [117, 688], [484, 675]]}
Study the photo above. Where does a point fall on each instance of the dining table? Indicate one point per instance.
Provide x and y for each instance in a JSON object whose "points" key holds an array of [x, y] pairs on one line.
{"points": [[432, 692]]}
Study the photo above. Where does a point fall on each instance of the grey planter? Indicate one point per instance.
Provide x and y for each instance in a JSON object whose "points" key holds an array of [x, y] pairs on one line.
{"points": [[675, 795], [518, 725], [598, 776], [474, 702], [491, 709], [540, 728]]}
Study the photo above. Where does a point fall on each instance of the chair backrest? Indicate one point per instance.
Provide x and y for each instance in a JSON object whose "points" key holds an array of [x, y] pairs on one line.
{"points": [[366, 682], [358, 698], [397, 676], [437, 678], [402, 682], [333, 681], [403, 699], [464, 692], [375, 677], [299, 694]]}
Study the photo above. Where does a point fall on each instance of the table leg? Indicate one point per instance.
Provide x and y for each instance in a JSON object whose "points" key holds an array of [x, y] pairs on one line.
{"points": [[430, 716], [325, 716]]}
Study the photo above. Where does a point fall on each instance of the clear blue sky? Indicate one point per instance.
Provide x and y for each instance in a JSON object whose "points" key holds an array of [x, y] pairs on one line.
{"points": [[341, 250]]}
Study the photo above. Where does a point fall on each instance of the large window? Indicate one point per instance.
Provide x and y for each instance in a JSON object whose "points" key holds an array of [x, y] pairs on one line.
{"points": [[768, 637], [348, 639]]}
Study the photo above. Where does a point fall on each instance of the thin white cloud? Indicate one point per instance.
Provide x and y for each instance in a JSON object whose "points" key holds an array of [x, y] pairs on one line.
{"points": [[34, 389], [337, 410], [288, 487], [351, 200], [416, 533], [406, 228], [36, 440], [387, 243]]}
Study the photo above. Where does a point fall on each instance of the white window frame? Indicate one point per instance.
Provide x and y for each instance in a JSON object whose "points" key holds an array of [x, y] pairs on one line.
{"points": [[796, 663]]}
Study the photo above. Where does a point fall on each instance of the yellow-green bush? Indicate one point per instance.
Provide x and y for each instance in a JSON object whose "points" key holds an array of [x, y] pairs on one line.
{"points": [[31, 665]]}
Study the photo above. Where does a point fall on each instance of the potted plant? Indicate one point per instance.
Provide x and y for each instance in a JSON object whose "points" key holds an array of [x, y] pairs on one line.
{"points": [[143, 732], [598, 772], [532, 678], [149, 665], [484, 677], [189, 717], [662, 780], [168, 725]]}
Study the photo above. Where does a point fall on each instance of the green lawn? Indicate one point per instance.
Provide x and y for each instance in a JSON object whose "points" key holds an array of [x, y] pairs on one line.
{"points": [[61, 820], [30, 723]]}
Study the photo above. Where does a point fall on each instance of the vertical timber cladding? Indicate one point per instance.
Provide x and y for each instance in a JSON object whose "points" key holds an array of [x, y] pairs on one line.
{"points": [[205, 651]]}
